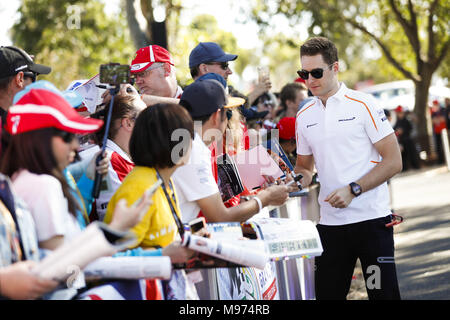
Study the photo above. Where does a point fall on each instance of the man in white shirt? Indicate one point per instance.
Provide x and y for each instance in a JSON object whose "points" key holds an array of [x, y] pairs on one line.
{"points": [[196, 187], [346, 135]]}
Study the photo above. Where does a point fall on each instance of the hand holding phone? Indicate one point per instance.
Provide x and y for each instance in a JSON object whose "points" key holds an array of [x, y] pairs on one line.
{"points": [[198, 227], [125, 217]]}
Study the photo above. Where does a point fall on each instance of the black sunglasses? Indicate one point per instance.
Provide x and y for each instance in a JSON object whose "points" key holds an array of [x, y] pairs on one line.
{"points": [[67, 137], [223, 65], [229, 114], [31, 75], [316, 73]]}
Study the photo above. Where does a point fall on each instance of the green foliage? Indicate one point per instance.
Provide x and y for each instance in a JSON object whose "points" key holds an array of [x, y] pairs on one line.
{"points": [[331, 19], [74, 46], [204, 28]]}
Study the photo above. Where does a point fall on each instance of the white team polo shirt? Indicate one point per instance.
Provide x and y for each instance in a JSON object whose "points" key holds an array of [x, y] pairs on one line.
{"points": [[194, 180], [341, 138]]}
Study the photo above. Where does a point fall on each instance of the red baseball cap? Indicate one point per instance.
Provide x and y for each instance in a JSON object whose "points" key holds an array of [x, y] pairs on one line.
{"points": [[146, 56], [41, 108], [399, 109], [286, 127]]}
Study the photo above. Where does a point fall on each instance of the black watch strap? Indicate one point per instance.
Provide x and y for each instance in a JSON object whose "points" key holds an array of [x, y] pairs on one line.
{"points": [[355, 189]]}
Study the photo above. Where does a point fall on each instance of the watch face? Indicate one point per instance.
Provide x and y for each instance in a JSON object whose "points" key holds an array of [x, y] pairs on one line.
{"points": [[356, 189]]}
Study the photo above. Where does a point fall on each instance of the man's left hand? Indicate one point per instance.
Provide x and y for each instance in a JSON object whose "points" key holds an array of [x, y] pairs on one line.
{"points": [[340, 198]]}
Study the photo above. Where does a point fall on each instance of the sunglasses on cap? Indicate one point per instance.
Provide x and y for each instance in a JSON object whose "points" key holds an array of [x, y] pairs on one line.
{"points": [[316, 73], [223, 65]]}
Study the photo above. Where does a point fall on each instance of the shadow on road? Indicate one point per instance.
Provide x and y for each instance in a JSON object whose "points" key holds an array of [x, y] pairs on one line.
{"points": [[423, 252]]}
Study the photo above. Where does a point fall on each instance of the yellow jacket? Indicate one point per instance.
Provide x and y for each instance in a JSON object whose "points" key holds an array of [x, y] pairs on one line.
{"points": [[158, 226]]}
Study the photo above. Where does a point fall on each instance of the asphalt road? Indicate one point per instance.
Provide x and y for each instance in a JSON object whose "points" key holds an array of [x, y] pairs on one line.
{"points": [[422, 241]]}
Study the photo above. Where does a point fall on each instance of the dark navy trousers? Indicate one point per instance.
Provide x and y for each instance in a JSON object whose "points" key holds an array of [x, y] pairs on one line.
{"points": [[370, 241]]}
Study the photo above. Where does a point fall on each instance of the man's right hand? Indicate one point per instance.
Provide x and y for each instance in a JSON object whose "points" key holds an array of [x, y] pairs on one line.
{"points": [[275, 195], [125, 89], [307, 178]]}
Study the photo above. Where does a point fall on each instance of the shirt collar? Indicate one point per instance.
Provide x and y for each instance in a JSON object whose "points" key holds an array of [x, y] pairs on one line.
{"points": [[178, 93], [339, 95], [114, 147]]}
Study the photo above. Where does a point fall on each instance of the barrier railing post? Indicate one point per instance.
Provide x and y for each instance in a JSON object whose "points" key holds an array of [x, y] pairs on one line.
{"points": [[446, 147]]}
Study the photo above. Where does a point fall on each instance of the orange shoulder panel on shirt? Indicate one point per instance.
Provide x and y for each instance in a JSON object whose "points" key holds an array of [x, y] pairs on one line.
{"points": [[304, 109], [367, 108]]}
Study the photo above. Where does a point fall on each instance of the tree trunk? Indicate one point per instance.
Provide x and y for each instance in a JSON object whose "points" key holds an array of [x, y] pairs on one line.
{"points": [[421, 109], [137, 34]]}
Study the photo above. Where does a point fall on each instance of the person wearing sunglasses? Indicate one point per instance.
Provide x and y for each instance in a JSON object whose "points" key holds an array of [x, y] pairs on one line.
{"points": [[196, 186], [43, 127], [154, 72], [209, 57], [154, 75], [345, 135], [17, 70]]}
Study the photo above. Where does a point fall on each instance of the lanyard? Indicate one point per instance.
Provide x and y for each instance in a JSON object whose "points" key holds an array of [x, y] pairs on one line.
{"points": [[81, 199], [172, 208]]}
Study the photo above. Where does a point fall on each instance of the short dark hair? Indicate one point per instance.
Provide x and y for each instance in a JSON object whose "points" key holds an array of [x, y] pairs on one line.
{"points": [[289, 92], [195, 71], [4, 82], [151, 141], [320, 45]]}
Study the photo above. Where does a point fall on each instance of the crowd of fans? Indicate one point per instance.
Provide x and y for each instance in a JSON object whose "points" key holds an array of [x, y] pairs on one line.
{"points": [[48, 169], [49, 152]]}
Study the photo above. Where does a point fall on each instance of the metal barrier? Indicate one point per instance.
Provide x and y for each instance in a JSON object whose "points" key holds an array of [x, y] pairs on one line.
{"points": [[446, 147], [294, 277]]}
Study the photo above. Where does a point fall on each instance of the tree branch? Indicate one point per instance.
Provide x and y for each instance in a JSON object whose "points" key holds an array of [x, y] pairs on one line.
{"points": [[436, 62], [147, 12], [431, 43], [139, 38], [385, 49], [409, 27], [173, 10]]}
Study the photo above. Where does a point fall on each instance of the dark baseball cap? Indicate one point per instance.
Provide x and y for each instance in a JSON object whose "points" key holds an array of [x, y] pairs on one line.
{"points": [[209, 52], [253, 114], [14, 60], [203, 98], [232, 101]]}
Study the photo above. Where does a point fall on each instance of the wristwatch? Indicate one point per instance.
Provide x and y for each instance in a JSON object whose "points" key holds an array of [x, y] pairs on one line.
{"points": [[355, 189]]}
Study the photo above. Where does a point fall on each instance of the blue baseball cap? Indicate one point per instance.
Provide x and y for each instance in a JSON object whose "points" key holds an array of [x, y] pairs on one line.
{"points": [[74, 99], [213, 76], [209, 52]]}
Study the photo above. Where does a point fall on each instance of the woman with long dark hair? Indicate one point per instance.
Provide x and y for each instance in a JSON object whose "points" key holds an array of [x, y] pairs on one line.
{"points": [[43, 126]]}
